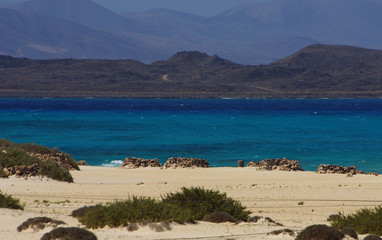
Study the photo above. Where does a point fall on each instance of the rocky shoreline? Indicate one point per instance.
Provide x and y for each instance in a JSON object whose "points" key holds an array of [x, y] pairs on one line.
{"points": [[334, 169], [172, 162], [276, 164]]}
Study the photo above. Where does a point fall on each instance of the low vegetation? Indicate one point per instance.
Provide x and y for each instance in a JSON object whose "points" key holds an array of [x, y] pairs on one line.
{"points": [[32, 148], [52, 170], [187, 206], [9, 202], [202, 201], [11, 156], [364, 221]]}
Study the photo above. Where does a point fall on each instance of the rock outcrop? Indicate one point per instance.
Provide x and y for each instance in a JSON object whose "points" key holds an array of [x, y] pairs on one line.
{"points": [[82, 163], [276, 164], [60, 158], [334, 169], [133, 162], [23, 171], [175, 162]]}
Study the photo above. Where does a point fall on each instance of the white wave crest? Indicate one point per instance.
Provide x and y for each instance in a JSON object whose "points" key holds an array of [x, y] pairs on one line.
{"points": [[113, 163]]}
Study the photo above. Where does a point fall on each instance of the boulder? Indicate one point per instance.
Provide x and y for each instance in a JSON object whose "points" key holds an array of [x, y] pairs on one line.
{"points": [[276, 164], [133, 162], [23, 171], [334, 169], [59, 157], [82, 163], [175, 162]]}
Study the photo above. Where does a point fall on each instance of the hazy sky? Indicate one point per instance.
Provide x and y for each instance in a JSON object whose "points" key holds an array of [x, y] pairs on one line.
{"points": [[200, 7]]}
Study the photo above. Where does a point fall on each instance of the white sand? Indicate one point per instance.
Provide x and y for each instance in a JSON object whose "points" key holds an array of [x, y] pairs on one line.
{"points": [[295, 199]]}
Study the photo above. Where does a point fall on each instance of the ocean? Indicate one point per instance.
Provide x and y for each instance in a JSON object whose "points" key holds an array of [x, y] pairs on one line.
{"points": [[103, 132]]}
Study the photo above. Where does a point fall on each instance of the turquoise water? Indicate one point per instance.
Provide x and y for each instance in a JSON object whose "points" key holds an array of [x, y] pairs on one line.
{"points": [[105, 131]]}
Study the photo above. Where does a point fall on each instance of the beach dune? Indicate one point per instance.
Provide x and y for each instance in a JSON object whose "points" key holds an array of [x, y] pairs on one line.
{"points": [[294, 199]]}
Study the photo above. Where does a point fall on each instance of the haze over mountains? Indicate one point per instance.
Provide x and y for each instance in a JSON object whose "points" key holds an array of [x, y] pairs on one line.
{"points": [[253, 34]]}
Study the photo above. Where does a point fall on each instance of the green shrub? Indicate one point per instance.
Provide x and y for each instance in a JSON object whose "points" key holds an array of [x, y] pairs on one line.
{"points": [[11, 157], [34, 148], [333, 217], [202, 202], [82, 211], [170, 208], [69, 234], [9, 202], [121, 213], [320, 232], [364, 221], [52, 170]]}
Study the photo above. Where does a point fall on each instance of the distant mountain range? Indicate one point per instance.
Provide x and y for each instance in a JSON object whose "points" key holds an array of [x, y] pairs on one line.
{"points": [[253, 34], [317, 71]]}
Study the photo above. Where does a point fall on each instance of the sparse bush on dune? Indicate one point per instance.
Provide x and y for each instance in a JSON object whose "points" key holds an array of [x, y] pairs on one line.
{"points": [[364, 221], [188, 206], [7, 201], [69, 234], [53, 170], [12, 157], [320, 232], [135, 209], [202, 202], [333, 217], [32, 148], [82, 211]]}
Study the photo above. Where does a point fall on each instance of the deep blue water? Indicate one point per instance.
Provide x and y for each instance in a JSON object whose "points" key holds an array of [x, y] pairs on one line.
{"points": [[342, 131]]}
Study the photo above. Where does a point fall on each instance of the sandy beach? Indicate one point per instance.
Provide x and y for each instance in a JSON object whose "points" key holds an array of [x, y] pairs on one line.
{"points": [[294, 199]]}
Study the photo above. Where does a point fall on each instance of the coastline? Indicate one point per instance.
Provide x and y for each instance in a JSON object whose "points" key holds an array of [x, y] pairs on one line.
{"points": [[312, 131], [295, 199]]}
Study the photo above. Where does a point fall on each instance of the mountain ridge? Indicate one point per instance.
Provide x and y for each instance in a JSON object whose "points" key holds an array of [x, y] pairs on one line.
{"points": [[258, 33], [304, 74]]}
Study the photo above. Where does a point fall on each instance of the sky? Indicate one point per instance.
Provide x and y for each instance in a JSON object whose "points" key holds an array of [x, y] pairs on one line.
{"points": [[199, 7]]}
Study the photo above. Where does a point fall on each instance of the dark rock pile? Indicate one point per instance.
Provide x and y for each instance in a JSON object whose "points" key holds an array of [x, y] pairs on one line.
{"points": [[23, 171], [133, 162], [39, 223], [175, 162], [334, 169], [276, 164], [82, 163]]}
